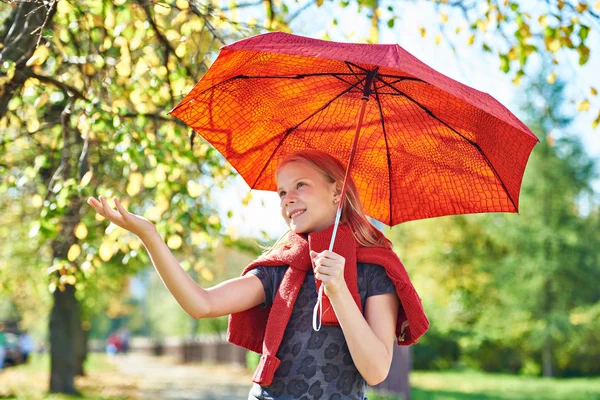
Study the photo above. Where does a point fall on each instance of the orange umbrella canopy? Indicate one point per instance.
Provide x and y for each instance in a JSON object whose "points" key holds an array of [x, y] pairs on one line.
{"points": [[429, 146]]}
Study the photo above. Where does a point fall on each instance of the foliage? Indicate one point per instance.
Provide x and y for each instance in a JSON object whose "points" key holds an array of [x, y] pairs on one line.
{"points": [[520, 287]]}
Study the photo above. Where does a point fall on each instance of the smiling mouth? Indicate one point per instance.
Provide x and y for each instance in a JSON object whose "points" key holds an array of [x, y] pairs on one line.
{"points": [[296, 214]]}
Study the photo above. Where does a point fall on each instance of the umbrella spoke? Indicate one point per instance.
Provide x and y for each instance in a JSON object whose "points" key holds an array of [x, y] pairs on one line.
{"points": [[432, 115], [400, 78], [387, 151], [293, 128]]}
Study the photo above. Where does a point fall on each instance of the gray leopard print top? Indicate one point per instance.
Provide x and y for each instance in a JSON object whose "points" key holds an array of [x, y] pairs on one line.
{"points": [[316, 364]]}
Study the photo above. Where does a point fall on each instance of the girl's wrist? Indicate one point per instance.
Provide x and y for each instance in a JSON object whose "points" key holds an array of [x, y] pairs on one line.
{"points": [[147, 233], [342, 293]]}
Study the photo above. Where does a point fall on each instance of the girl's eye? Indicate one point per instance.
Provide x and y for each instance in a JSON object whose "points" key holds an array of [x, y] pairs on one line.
{"points": [[282, 193]]}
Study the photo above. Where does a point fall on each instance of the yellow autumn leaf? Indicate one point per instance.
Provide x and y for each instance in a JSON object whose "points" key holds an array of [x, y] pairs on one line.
{"points": [[74, 252], [207, 274], [597, 5], [161, 174], [596, 121], [551, 78], [38, 57], [71, 280], [162, 9], [471, 40], [583, 105], [182, 4], [172, 35], [438, 38], [41, 100], [105, 251], [247, 198], [581, 7], [554, 45], [63, 7], [81, 231], [213, 220], [86, 178], [135, 183], [198, 238], [181, 50], [37, 201], [444, 17], [150, 179], [194, 189], [134, 243], [174, 242], [423, 31], [593, 91]]}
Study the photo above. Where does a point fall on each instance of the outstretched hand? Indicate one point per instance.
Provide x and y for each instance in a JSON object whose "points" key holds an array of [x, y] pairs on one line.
{"points": [[121, 217]]}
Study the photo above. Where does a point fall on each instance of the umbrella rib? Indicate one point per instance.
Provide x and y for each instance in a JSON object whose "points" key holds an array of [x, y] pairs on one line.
{"points": [[387, 151], [349, 65], [290, 130], [431, 114], [301, 76], [298, 76], [356, 66], [403, 78]]}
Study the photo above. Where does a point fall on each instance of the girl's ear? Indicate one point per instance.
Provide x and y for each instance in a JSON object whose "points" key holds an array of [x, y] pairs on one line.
{"points": [[337, 191]]}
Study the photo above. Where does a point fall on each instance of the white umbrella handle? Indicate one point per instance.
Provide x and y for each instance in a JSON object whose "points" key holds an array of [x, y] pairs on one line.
{"points": [[319, 306]]}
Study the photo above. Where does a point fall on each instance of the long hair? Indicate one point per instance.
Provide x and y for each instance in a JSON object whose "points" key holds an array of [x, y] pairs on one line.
{"points": [[352, 211]]}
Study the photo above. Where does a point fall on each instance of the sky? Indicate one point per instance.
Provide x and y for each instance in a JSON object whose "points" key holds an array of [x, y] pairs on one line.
{"points": [[469, 65]]}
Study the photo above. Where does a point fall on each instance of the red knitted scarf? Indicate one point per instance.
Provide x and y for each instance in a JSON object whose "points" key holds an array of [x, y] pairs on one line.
{"points": [[261, 329]]}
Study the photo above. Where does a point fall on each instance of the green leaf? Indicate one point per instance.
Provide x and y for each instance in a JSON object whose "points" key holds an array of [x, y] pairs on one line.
{"points": [[584, 53], [504, 63], [583, 32], [391, 23]]}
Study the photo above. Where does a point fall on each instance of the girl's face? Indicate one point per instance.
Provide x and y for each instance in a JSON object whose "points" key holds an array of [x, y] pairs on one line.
{"points": [[307, 199]]}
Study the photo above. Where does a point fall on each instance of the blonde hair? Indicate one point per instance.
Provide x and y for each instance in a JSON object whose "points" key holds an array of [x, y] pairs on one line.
{"points": [[365, 233]]}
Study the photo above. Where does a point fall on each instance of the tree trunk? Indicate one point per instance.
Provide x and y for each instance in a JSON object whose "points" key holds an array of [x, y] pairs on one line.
{"points": [[547, 359], [65, 326], [82, 351]]}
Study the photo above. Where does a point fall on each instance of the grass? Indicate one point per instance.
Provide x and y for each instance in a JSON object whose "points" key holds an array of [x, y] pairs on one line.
{"points": [[30, 381], [103, 382], [465, 385]]}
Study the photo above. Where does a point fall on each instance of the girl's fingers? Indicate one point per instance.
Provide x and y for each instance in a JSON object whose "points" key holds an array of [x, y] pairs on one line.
{"points": [[105, 206], [96, 205], [111, 214], [120, 207]]}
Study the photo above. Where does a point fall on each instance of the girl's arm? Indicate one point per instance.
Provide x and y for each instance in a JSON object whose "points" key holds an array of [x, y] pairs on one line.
{"points": [[370, 338], [228, 297]]}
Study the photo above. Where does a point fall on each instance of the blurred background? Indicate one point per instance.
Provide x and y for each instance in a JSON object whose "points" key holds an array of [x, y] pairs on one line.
{"points": [[85, 87]]}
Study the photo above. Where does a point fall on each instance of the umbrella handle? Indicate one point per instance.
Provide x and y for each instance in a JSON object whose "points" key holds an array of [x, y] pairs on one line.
{"points": [[319, 306]]}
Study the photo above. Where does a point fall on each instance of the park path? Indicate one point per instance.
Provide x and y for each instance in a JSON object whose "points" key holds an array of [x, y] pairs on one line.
{"points": [[164, 378]]}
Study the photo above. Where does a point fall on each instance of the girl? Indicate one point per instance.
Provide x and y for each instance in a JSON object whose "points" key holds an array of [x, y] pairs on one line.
{"points": [[271, 304]]}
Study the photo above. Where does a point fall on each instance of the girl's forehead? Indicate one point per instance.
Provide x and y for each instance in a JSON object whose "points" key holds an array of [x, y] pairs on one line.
{"points": [[294, 170]]}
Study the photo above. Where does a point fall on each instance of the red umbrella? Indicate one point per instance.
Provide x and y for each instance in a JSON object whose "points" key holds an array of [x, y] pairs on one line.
{"points": [[418, 143]]}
